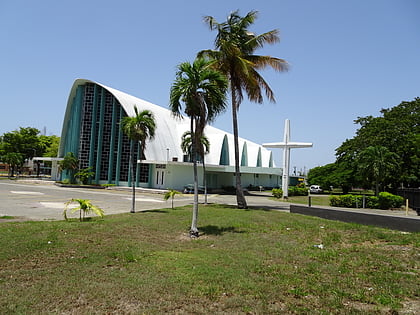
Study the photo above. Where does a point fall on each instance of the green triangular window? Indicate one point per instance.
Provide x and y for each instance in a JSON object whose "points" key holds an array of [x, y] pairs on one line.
{"points": [[244, 158], [224, 153]]}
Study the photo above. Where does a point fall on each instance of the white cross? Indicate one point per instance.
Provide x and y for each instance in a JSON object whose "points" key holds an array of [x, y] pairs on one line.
{"points": [[286, 145]]}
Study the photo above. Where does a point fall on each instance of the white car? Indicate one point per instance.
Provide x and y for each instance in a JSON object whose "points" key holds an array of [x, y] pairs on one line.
{"points": [[315, 189]]}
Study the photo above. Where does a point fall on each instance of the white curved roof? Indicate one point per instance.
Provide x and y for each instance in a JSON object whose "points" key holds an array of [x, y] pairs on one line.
{"points": [[170, 129]]}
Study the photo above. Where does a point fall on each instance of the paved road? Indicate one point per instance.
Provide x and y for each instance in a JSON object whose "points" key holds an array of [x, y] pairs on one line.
{"points": [[40, 200]]}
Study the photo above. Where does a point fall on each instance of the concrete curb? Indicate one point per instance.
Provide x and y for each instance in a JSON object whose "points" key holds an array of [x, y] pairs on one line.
{"points": [[394, 222]]}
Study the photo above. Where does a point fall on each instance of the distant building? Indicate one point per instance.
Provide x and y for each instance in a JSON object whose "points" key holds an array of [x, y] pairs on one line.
{"points": [[91, 130]]}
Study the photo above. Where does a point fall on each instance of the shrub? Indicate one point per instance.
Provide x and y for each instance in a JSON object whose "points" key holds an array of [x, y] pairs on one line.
{"points": [[334, 201], [277, 192], [84, 175], [387, 201], [348, 201], [372, 202], [298, 191], [384, 201], [108, 185]]}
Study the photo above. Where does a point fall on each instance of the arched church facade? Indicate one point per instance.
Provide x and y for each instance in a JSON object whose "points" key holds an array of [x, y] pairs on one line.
{"points": [[91, 131]]}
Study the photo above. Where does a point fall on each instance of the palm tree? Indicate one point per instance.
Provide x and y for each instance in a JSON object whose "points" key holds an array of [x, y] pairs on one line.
{"points": [[70, 164], [171, 194], [85, 207], [203, 148], [202, 91], [139, 129], [376, 163], [234, 56]]}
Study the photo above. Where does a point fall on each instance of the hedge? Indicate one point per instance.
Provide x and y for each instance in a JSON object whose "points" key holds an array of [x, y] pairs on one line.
{"points": [[293, 191], [385, 200]]}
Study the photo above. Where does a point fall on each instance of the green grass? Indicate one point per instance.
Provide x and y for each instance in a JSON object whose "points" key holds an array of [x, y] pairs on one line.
{"points": [[245, 262], [316, 200], [6, 217]]}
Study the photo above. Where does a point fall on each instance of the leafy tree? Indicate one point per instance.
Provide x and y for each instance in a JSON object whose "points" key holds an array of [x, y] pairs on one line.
{"points": [[85, 207], [378, 165], [235, 57], [51, 144], [15, 160], [203, 148], [333, 174], [171, 194], [70, 164], [28, 143], [200, 92], [320, 175], [397, 129], [139, 129], [24, 141]]}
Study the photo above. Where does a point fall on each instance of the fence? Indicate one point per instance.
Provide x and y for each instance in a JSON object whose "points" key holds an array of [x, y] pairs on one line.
{"points": [[413, 196]]}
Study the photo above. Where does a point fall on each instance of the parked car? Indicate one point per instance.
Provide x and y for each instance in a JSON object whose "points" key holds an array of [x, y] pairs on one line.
{"points": [[315, 189], [189, 189]]}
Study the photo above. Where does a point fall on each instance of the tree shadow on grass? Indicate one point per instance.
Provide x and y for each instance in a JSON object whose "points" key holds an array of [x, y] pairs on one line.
{"points": [[218, 230], [154, 211], [269, 208]]}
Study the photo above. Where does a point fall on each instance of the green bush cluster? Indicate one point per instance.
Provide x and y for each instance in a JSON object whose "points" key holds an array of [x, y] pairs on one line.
{"points": [[293, 191], [385, 200], [298, 191], [277, 192]]}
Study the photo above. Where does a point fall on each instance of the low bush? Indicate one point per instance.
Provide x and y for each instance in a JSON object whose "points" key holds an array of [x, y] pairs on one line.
{"points": [[293, 191], [384, 201], [372, 202], [387, 201], [298, 191], [277, 192]]}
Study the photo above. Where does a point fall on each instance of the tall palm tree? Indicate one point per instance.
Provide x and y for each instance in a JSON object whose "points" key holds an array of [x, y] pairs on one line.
{"points": [[138, 129], [234, 56], [200, 92], [203, 148], [377, 163]]}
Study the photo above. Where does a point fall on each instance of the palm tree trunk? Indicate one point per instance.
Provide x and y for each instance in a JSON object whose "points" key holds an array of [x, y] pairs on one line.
{"points": [[240, 198], [194, 229], [133, 183]]}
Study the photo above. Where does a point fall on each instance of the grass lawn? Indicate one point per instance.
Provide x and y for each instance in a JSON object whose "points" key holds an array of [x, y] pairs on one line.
{"points": [[316, 200], [245, 262]]}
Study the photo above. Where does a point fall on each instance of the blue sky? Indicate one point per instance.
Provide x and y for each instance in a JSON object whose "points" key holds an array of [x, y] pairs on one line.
{"points": [[347, 59]]}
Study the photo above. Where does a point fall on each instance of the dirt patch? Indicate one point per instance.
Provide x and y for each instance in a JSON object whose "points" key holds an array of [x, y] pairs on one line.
{"points": [[410, 307]]}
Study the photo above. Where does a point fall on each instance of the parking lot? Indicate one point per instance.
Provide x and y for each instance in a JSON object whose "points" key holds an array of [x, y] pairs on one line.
{"points": [[42, 200]]}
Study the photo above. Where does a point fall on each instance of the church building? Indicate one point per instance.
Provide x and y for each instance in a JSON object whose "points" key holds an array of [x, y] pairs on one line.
{"points": [[91, 131]]}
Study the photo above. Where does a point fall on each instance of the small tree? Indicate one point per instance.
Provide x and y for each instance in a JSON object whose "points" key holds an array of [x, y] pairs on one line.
{"points": [[15, 160], [171, 194], [85, 207]]}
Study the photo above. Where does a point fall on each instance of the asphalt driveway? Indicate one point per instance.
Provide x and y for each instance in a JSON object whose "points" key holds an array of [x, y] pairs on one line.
{"points": [[42, 200]]}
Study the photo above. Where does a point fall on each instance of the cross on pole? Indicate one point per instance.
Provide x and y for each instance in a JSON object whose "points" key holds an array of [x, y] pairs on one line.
{"points": [[286, 145]]}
